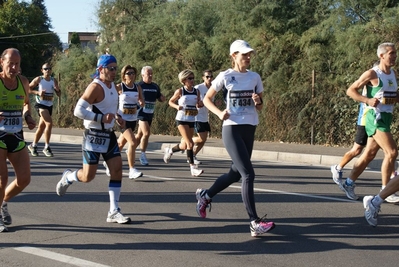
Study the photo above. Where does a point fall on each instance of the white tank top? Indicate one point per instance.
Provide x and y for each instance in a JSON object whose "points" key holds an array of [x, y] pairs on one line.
{"points": [[48, 86], [108, 105], [128, 102]]}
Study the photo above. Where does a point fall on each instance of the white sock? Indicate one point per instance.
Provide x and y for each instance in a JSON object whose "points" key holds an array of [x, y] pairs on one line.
{"points": [[114, 191], [72, 177], [377, 201], [338, 168]]}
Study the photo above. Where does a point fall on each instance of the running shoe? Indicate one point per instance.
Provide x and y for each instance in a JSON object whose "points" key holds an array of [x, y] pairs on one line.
{"points": [[143, 159], [195, 171], [63, 184], [196, 161], [392, 198], [202, 203], [106, 169], [167, 155], [349, 190], [260, 226], [5, 214], [33, 150], [117, 217], [371, 212], [3, 227], [336, 174], [47, 151], [134, 174]]}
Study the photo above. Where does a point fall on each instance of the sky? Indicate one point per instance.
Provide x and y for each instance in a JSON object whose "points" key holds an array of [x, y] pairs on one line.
{"points": [[72, 16]]}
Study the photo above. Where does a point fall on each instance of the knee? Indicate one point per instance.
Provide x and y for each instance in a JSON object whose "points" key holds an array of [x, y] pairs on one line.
{"points": [[22, 183], [392, 154]]}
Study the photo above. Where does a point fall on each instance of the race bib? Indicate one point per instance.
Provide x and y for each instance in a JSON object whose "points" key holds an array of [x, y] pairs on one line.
{"points": [[149, 107], [97, 141], [240, 101], [12, 121], [389, 98], [190, 111], [48, 97], [129, 109]]}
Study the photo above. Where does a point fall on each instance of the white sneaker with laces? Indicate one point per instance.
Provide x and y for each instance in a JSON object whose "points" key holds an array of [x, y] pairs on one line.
{"points": [[143, 159], [106, 169], [336, 174], [117, 217], [63, 184], [195, 171], [392, 198], [134, 174], [371, 212], [167, 155]]}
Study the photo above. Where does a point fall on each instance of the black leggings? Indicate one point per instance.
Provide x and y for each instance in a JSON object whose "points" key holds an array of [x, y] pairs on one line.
{"points": [[239, 141]]}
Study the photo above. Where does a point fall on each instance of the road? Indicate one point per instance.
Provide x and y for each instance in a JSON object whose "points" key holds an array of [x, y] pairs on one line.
{"points": [[315, 224]]}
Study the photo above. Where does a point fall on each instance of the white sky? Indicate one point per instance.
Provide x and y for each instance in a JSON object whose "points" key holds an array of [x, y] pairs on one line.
{"points": [[72, 16]]}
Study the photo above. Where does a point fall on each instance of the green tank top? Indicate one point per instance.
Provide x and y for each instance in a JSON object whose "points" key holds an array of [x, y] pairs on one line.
{"points": [[11, 106]]}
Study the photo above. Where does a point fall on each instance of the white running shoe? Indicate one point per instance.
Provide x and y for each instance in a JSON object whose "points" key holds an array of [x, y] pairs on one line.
{"points": [[336, 174], [260, 226], [5, 214], [349, 190], [392, 198], [134, 174], [106, 169], [117, 217], [63, 184], [3, 227], [143, 159], [167, 155], [195, 171], [371, 212]]}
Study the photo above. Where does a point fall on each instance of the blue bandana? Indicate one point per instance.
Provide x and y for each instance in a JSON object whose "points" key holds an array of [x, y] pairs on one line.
{"points": [[103, 61]]}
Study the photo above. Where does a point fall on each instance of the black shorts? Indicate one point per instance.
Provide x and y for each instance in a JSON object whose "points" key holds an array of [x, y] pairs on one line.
{"points": [[129, 125], [202, 127], [361, 136], [142, 116], [12, 142], [40, 106], [189, 123]]}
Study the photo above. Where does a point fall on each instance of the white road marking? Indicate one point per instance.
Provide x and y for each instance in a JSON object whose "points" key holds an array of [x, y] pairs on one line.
{"points": [[59, 257]]}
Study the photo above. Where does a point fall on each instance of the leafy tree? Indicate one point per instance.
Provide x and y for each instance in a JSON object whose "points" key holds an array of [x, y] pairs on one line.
{"points": [[75, 40]]}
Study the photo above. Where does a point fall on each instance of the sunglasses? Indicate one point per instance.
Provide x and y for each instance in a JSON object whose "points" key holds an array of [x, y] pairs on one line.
{"points": [[190, 78], [130, 73], [111, 68], [46, 68], [208, 77]]}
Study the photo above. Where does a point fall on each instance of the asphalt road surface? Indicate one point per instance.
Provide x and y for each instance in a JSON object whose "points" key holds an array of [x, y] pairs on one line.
{"points": [[315, 224]]}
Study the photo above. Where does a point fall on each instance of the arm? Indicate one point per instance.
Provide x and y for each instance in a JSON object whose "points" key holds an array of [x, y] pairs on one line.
{"points": [[223, 115], [26, 109], [174, 98], [57, 88], [141, 96], [93, 94], [353, 91], [33, 84], [257, 98]]}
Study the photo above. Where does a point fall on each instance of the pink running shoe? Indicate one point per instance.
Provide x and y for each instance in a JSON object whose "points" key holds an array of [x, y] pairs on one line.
{"points": [[202, 203], [260, 226]]}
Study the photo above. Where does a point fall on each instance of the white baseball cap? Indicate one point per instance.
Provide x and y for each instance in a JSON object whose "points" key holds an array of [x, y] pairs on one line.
{"points": [[240, 46]]}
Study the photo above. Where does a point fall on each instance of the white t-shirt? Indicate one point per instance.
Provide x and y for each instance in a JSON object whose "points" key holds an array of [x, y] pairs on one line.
{"points": [[239, 89]]}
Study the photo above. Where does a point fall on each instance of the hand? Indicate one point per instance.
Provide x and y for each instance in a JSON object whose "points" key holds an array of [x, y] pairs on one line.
{"points": [[257, 100], [107, 118], [200, 104], [121, 122], [224, 115], [30, 122], [372, 102]]}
